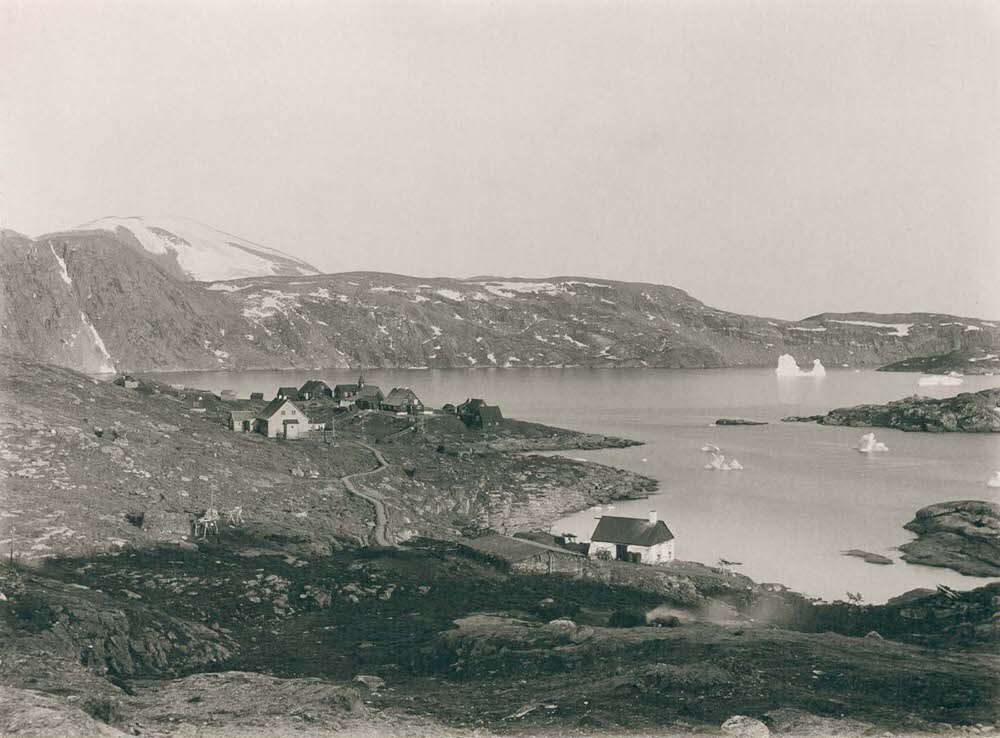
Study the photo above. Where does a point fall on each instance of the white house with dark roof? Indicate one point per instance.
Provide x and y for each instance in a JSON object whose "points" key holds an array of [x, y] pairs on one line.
{"points": [[281, 419], [624, 538]]}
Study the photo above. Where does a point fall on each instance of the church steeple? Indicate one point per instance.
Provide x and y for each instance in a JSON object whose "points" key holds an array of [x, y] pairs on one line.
{"points": [[361, 380]]}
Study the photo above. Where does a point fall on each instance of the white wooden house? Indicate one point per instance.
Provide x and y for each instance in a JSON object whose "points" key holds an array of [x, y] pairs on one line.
{"points": [[648, 540], [281, 419]]}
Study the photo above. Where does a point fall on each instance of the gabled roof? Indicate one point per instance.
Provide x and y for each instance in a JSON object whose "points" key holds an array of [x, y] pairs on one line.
{"points": [[401, 395], [314, 387], [631, 531], [240, 415], [288, 391], [346, 388], [513, 549], [273, 407], [471, 405], [490, 414], [369, 390]]}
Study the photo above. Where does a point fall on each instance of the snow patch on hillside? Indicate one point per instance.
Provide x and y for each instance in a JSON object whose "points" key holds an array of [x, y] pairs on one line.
{"points": [[62, 267], [202, 252], [899, 329], [107, 365], [267, 304]]}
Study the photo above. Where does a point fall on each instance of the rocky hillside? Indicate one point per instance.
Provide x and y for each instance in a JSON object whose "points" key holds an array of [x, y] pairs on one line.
{"points": [[963, 535], [969, 361], [969, 412], [103, 300]]}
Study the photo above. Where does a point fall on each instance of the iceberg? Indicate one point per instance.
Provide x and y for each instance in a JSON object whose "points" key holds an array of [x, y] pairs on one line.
{"points": [[735, 465], [940, 380], [710, 447], [994, 481], [867, 444], [787, 367]]}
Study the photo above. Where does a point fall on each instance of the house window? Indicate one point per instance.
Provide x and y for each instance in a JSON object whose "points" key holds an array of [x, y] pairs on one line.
{"points": [[282, 412]]}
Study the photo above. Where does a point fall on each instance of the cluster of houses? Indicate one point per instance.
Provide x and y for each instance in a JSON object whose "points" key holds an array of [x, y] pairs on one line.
{"points": [[282, 418]]}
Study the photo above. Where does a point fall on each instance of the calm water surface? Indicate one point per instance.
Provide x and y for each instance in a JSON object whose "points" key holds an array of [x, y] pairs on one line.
{"points": [[804, 496]]}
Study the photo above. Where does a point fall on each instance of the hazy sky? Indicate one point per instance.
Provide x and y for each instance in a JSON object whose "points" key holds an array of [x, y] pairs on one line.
{"points": [[780, 157]]}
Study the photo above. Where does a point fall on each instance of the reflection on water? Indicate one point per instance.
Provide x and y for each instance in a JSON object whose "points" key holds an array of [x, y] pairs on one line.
{"points": [[804, 496]]}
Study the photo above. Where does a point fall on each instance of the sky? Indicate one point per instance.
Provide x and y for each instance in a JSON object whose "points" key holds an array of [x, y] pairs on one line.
{"points": [[775, 157]]}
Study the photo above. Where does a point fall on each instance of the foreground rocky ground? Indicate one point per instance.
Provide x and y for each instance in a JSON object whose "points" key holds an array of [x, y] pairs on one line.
{"points": [[115, 621], [969, 412]]}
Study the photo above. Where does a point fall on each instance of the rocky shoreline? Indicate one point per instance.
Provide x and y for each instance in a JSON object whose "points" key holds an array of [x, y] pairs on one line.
{"points": [[969, 412], [963, 535]]}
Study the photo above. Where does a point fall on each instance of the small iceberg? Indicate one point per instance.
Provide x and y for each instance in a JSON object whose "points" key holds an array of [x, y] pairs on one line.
{"points": [[994, 481], [710, 448], [717, 462], [787, 367], [867, 444], [941, 380]]}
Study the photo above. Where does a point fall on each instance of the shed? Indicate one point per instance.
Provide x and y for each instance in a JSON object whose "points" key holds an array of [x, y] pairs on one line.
{"points": [[646, 540], [525, 555], [256, 395], [287, 392], [242, 420]]}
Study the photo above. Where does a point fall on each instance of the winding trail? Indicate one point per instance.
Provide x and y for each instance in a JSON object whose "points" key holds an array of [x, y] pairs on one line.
{"points": [[381, 533]]}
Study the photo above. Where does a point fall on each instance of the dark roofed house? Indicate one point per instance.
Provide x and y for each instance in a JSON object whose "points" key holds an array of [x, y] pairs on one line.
{"points": [[314, 389], [368, 397], [402, 400], [287, 393], [475, 413], [256, 395], [648, 541], [526, 555]]}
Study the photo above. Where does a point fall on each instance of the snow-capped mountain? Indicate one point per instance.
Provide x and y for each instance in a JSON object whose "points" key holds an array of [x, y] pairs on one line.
{"points": [[97, 299], [191, 250]]}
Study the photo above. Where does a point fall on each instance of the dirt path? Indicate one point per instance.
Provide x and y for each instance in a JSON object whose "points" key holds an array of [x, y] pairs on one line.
{"points": [[381, 533]]}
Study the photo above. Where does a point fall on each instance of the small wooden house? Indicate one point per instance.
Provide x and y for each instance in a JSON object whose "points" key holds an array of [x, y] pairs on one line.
{"points": [[287, 393], [281, 419], [127, 381], [646, 541], [402, 400], [475, 413], [256, 395], [242, 420], [314, 389]]}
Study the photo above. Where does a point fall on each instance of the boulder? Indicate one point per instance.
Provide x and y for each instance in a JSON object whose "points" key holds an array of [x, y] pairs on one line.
{"points": [[373, 683], [741, 726]]}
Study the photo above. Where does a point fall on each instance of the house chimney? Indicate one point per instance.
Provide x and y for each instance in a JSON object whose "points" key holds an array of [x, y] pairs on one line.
{"points": [[652, 517]]}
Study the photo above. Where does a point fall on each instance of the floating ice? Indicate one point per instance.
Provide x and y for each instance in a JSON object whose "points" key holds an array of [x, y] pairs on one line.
{"points": [[787, 367], [735, 465], [708, 447], [940, 380], [867, 444], [994, 481]]}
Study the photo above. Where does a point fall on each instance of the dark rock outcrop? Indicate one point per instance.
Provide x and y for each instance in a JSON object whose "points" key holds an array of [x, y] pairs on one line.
{"points": [[969, 412], [963, 535], [739, 421], [869, 557], [968, 361]]}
